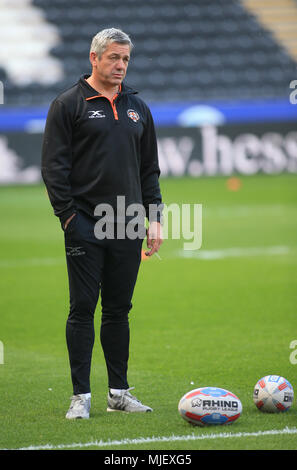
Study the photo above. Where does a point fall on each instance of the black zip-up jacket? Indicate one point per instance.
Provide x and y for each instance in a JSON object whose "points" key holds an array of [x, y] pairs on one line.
{"points": [[95, 149]]}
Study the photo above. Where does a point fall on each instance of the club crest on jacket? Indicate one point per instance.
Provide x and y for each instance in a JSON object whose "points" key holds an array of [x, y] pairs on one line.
{"points": [[133, 115]]}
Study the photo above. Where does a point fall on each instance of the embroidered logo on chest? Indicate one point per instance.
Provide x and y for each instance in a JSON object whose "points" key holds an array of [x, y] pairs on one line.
{"points": [[96, 114], [133, 115]]}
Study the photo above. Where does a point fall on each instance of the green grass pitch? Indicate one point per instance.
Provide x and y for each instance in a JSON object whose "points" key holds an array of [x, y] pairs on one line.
{"points": [[223, 316]]}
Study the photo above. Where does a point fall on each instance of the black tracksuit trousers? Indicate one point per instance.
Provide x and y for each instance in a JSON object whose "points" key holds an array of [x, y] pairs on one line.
{"points": [[108, 267]]}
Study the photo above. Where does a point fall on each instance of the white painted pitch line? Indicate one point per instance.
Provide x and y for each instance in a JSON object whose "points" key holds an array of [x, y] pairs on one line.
{"points": [[160, 439], [234, 252], [27, 262], [188, 254]]}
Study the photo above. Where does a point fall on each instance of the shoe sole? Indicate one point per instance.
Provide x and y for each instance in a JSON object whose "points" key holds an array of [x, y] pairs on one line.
{"points": [[77, 417], [110, 410], [124, 411]]}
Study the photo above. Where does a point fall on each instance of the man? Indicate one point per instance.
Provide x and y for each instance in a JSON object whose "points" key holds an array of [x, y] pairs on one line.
{"points": [[99, 144]]}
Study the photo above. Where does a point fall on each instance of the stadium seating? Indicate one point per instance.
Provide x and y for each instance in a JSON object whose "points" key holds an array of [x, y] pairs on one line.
{"points": [[196, 50]]}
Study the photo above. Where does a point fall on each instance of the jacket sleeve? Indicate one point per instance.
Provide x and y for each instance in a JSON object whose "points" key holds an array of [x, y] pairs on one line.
{"points": [[150, 172], [57, 160]]}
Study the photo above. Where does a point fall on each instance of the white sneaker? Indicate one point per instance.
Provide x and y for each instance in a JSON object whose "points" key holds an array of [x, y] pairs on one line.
{"points": [[79, 407], [124, 401]]}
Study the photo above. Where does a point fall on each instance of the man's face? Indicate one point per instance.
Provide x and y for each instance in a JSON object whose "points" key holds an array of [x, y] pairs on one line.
{"points": [[112, 66]]}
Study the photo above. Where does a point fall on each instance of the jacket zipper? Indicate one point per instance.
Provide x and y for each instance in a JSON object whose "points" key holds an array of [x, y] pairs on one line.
{"points": [[113, 105]]}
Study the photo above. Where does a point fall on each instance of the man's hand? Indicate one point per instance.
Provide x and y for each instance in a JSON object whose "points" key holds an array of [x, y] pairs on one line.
{"points": [[68, 220], [154, 238]]}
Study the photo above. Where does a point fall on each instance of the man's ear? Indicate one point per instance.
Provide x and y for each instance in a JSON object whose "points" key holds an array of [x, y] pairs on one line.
{"points": [[93, 59]]}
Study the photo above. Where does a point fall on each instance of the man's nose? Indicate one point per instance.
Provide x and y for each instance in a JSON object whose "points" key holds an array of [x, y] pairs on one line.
{"points": [[121, 64]]}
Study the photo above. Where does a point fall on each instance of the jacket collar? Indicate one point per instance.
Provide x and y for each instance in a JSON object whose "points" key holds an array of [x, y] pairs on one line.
{"points": [[89, 92]]}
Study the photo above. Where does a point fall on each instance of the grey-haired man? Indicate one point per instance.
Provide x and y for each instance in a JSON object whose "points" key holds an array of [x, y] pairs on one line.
{"points": [[99, 144]]}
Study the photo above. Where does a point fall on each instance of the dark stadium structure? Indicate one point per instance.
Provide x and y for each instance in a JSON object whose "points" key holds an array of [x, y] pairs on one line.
{"points": [[197, 50]]}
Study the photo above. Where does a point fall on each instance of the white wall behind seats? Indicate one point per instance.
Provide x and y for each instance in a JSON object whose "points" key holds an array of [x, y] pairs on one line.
{"points": [[25, 41]]}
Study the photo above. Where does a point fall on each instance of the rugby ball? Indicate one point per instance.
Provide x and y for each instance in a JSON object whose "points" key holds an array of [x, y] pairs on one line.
{"points": [[210, 405], [273, 394]]}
